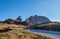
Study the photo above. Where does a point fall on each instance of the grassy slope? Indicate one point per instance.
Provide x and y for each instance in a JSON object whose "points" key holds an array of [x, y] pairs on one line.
{"points": [[17, 34], [12, 26], [21, 34], [47, 26], [55, 26]]}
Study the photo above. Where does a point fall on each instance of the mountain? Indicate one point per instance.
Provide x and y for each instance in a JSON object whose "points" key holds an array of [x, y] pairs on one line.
{"points": [[19, 19], [11, 21], [32, 20]]}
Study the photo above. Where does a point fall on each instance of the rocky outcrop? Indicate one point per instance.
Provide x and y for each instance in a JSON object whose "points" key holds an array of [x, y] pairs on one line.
{"points": [[11, 21], [19, 19], [37, 20]]}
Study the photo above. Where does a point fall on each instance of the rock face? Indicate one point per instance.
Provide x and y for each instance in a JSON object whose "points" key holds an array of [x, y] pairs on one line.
{"points": [[37, 19], [19, 19], [11, 21]]}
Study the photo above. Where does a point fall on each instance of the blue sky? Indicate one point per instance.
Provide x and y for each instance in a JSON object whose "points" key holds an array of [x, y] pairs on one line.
{"points": [[26, 8]]}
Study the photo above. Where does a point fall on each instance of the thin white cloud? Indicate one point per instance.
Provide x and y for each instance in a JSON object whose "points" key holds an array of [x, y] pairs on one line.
{"points": [[56, 20]]}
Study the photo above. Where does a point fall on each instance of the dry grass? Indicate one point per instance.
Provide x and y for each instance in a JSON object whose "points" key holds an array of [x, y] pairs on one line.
{"points": [[47, 26], [18, 34], [21, 34], [12, 26]]}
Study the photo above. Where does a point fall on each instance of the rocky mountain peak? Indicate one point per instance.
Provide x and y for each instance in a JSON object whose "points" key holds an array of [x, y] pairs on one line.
{"points": [[19, 19], [37, 19]]}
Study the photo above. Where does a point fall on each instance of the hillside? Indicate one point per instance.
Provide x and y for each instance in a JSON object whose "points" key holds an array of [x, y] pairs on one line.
{"points": [[52, 26], [11, 31], [10, 28], [21, 34]]}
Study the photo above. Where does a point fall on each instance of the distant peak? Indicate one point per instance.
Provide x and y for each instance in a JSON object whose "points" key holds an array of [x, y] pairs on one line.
{"points": [[19, 18], [35, 15], [37, 19]]}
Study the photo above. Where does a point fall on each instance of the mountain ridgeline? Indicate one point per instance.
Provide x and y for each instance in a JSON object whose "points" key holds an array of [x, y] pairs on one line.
{"points": [[32, 20], [35, 22], [17, 21]]}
